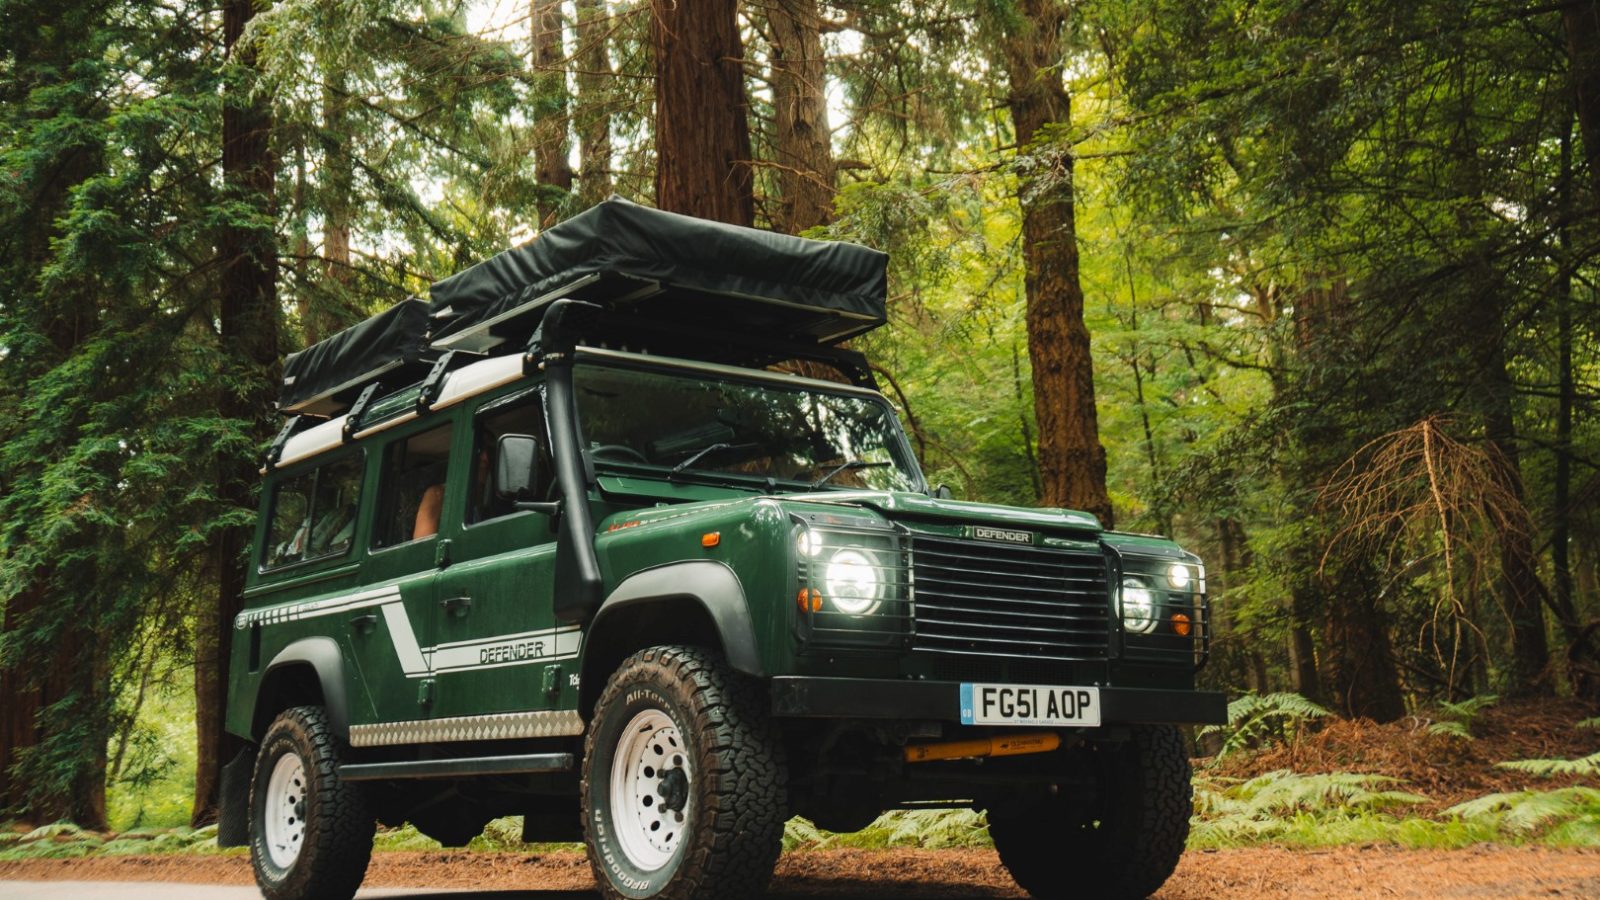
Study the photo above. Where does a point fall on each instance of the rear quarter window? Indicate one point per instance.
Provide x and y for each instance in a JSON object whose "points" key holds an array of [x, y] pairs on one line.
{"points": [[314, 514]]}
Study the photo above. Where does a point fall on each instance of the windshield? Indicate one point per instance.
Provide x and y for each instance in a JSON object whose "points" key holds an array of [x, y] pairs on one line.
{"points": [[683, 423]]}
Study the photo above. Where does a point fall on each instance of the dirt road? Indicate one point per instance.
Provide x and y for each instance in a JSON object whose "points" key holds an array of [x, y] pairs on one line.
{"points": [[895, 874]]}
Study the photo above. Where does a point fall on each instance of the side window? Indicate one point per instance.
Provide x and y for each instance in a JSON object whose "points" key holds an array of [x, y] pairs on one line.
{"points": [[314, 515], [523, 415], [411, 492]]}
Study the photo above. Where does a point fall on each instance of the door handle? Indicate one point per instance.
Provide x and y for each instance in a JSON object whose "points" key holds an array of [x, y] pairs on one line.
{"points": [[456, 606], [364, 624]]}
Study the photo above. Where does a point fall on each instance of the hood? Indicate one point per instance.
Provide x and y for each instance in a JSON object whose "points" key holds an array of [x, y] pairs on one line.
{"points": [[921, 506]]}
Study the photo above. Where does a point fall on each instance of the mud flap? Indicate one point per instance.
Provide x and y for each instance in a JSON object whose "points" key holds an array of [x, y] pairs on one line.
{"points": [[233, 820]]}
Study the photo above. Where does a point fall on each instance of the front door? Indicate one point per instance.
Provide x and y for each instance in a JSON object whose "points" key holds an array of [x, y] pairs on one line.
{"points": [[499, 648]]}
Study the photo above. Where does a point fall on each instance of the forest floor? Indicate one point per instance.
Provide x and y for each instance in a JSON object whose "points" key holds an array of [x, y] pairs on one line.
{"points": [[943, 874], [1319, 842], [1445, 768]]}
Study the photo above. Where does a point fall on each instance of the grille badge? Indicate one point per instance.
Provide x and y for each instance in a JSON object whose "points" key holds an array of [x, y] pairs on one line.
{"points": [[985, 533]]}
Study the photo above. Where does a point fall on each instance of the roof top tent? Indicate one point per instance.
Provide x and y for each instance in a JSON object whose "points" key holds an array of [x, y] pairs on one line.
{"points": [[326, 377], [672, 284], [662, 282]]}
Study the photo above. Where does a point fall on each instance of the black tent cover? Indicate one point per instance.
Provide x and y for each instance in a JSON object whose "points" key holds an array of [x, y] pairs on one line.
{"points": [[674, 268], [323, 378], [659, 273]]}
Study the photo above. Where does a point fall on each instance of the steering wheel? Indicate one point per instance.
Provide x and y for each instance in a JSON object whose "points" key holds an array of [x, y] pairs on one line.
{"points": [[615, 450]]}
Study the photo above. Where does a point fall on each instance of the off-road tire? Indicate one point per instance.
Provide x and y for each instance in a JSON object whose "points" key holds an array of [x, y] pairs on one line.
{"points": [[1127, 847], [337, 843], [736, 803]]}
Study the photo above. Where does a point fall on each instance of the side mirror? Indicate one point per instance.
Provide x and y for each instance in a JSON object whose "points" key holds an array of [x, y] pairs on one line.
{"points": [[516, 468], [943, 492]]}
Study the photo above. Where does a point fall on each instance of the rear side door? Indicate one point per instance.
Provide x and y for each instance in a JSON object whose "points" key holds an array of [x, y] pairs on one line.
{"points": [[499, 648]]}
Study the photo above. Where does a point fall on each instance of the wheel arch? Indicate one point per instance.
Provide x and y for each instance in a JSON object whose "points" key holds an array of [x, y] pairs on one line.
{"points": [[692, 602], [310, 671]]}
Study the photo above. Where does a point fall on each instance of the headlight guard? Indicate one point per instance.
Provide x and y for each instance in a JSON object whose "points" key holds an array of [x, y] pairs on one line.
{"points": [[853, 589]]}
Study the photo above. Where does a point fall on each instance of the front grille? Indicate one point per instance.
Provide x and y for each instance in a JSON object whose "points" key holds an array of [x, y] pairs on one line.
{"points": [[989, 599]]}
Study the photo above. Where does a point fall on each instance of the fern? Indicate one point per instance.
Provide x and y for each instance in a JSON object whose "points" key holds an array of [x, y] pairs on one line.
{"points": [[1456, 718], [1320, 809], [1591, 722], [1588, 766], [937, 829], [799, 832], [1255, 720], [1575, 811]]}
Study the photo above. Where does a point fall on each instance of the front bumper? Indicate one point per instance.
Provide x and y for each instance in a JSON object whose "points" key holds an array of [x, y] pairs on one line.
{"points": [[802, 696]]}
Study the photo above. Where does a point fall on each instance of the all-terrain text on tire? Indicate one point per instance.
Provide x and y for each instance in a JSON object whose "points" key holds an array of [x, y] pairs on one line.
{"points": [[567, 541], [683, 782]]}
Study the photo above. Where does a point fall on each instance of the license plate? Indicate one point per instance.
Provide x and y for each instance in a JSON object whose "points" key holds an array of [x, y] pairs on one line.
{"points": [[1029, 704]]}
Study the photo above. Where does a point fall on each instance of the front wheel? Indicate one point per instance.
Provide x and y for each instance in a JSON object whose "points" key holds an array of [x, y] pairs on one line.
{"points": [[1123, 843], [310, 832], [683, 780]]}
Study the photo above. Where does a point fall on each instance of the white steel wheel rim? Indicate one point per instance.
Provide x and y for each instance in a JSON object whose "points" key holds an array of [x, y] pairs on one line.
{"points": [[284, 813], [651, 782]]}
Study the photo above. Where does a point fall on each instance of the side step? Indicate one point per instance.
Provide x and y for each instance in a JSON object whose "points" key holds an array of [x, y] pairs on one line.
{"points": [[526, 764]]}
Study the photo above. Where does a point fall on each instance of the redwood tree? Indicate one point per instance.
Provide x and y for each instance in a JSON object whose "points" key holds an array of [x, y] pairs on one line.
{"points": [[553, 170], [1072, 462], [802, 147], [702, 139], [247, 317]]}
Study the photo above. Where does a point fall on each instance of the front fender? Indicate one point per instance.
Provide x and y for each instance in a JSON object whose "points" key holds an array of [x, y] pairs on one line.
{"points": [[711, 585]]}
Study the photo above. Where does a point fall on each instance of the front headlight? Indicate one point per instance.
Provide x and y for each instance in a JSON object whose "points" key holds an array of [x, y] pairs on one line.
{"points": [[852, 583], [1138, 607]]}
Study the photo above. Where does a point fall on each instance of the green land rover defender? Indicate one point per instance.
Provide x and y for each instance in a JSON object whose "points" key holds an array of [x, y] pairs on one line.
{"points": [[560, 541]]}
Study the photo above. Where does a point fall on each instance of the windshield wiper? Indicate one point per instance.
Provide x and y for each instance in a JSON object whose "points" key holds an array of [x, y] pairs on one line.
{"points": [[847, 466], [695, 457]]}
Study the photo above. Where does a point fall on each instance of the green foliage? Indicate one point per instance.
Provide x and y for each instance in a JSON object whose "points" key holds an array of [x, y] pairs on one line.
{"points": [[1588, 766], [1456, 718], [1255, 720], [63, 840], [1313, 810], [152, 764], [1564, 817], [930, 829]]}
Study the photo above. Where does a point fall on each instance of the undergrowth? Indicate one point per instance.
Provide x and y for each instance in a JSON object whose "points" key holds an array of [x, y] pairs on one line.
{"points": [[1256, 720]]}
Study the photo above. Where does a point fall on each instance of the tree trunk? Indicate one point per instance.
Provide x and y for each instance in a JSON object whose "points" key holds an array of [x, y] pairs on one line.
{"points": [[1580, 21], [552, 167], [1071, 459], [804, 145], [593, 113], [1522, 592], [338, 185], [702, 139], [1359, 661], [248, 320]]}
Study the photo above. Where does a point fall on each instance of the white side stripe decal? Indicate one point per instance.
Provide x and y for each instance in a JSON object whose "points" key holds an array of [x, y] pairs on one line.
{"points": [[489, 652], [412, 657]]}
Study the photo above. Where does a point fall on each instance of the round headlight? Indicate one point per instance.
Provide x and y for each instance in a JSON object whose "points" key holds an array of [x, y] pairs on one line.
{"points": [[1178, 576], [1138, 607], [853, 585]]}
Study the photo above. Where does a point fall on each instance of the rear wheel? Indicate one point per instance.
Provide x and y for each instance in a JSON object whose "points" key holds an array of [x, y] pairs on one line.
{"points": [[310, 832], [683, 781], [1124, 843]]}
